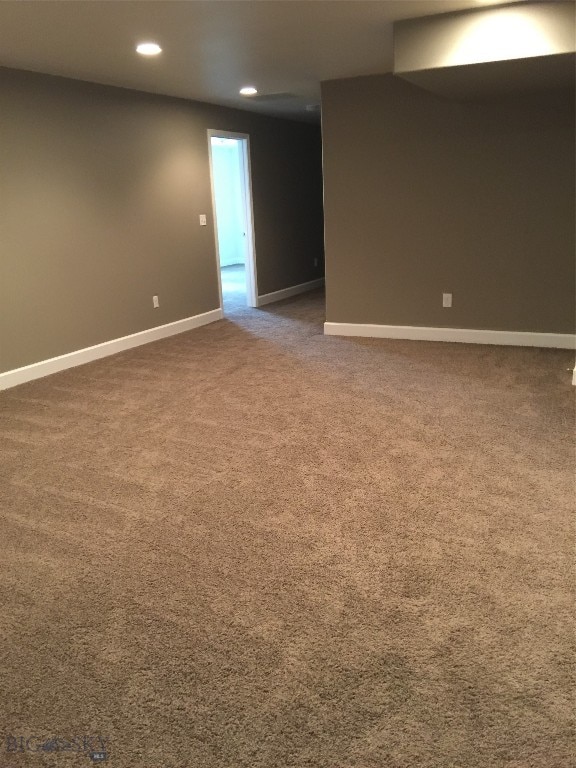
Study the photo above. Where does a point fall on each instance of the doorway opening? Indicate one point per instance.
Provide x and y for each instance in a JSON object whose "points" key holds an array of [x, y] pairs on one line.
{"points": [[233, 220]]}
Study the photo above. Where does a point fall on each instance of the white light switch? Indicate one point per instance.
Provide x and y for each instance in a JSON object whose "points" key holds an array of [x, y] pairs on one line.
{"points": [[446, 299], [202, 219], [155, 302]]}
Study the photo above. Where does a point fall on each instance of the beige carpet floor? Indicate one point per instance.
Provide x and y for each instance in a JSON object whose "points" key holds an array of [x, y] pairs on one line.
{"points": [[254, 546]]}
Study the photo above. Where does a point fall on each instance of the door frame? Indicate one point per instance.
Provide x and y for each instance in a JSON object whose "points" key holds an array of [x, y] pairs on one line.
{"points": [[251, 273]]}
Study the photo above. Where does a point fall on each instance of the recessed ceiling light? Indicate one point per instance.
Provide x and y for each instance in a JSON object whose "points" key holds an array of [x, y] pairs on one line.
{"points": [[248, 90], [149, 49]]}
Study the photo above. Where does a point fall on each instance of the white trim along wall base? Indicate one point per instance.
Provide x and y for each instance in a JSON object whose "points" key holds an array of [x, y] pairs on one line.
{"points": [[286, 293], [465, 335], [87, 355]]}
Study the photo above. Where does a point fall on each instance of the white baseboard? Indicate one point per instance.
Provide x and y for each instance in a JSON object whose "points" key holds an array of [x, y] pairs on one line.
{"points": [[87, 355], [465, 335], [286, 293]]}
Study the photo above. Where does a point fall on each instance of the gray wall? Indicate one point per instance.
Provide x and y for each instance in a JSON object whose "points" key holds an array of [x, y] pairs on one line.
{"points": [[423, 195], [100, 191]]}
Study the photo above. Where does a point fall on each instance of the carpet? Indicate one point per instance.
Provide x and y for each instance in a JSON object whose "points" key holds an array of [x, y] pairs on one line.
{"points": [[254, 546]]}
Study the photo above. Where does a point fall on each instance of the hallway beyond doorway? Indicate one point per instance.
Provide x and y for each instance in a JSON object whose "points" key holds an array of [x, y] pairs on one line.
{"points": [[234, 229], [233, 286]]}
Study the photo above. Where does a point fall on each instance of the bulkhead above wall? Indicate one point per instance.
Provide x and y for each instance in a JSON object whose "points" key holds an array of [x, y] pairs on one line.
{"points": [[489, 51]]}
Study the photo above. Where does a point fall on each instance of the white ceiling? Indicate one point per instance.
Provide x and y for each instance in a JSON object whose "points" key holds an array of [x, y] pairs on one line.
{"points": [[212, 48]]}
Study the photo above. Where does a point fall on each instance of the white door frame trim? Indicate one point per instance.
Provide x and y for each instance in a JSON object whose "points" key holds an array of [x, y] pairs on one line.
{"points": [[251, 272]]}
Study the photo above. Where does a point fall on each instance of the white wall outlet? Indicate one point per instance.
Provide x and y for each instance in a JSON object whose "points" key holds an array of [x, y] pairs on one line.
{"points": [[202, 219], [446, 299], [155, 302]]}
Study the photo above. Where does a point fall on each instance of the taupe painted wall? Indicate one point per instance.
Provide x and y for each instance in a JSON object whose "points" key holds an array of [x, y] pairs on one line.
{"points": [[423, 195], [100, 192]]}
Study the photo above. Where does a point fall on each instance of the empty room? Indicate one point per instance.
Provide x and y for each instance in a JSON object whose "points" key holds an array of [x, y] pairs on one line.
{"points": [[287, 351]]}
